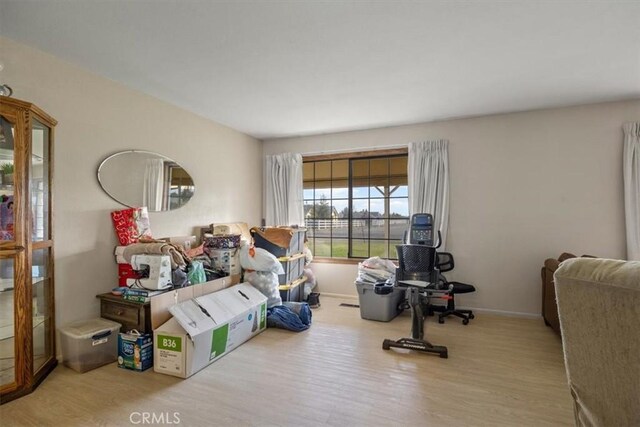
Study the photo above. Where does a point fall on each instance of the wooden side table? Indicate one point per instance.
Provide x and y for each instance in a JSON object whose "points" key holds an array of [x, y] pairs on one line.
{"points": [[130, 314]]}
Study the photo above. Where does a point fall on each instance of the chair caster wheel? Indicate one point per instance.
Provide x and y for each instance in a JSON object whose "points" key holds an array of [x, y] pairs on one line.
{"points": [[440, 320], [385, 345], [465, 321], [471, 316]]}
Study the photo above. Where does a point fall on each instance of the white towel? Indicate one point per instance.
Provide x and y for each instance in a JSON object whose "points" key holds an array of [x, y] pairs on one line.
{"points": [[119, 251]]}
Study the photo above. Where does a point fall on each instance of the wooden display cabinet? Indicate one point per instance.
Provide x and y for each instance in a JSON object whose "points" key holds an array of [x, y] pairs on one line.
{"points": [[27, 329]]}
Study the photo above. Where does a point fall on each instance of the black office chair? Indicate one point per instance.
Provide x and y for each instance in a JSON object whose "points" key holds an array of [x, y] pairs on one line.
{"points": [[444, 263], [418, 272]]}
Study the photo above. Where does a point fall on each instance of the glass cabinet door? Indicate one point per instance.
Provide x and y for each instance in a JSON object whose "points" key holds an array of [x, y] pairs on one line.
{"points": [[41, 309], [7, 260], [7, 323], [39, 183], [40, 232]]}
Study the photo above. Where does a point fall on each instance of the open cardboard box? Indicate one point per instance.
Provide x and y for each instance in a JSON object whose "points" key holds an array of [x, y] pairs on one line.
{"points": [[160, 304], [207, 327]]}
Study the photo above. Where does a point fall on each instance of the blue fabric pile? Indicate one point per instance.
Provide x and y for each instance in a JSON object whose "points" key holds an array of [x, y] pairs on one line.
{"points": [[293, 316]]}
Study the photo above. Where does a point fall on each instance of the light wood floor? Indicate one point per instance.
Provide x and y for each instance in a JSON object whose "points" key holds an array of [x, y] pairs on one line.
{"points": [[501, 371]]}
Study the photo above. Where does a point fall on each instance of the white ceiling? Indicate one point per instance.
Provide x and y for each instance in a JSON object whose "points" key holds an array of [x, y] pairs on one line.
{"points": [[284, 68]]}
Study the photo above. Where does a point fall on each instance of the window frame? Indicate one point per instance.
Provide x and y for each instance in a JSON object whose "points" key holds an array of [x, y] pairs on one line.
{"points": [[350, 156]]}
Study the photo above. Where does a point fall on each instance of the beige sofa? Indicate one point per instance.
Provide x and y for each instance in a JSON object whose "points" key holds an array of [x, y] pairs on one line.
{"points": [[599, 308]]}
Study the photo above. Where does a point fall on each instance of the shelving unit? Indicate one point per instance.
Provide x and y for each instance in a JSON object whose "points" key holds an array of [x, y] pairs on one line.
{"points": [[27, 329]]}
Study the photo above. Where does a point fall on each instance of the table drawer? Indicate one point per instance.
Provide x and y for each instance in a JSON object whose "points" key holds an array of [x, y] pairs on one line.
{"points": [[124, 314]]}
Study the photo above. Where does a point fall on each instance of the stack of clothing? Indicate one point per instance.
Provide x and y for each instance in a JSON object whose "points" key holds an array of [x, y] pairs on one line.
{"points": [[179, 258]]}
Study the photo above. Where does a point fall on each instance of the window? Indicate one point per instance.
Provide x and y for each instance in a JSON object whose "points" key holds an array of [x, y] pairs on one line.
{"points": [[180, 185], [356, 207]]}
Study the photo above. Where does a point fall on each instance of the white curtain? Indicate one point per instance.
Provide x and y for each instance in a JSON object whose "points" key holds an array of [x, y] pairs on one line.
{"points": [[428, 170], [153, 188], [631, 170], [283, 182]]}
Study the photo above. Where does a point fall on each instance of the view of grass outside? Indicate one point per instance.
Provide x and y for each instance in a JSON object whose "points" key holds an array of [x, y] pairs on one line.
{"points": [[362, 201]]}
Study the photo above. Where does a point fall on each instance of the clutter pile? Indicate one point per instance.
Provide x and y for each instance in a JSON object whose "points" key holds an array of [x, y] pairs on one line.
{"points": [[216, 257], [262, 269], [276, 267], [207, 313], [138, 248], [219, 251], [379, 298], [288, 245]]}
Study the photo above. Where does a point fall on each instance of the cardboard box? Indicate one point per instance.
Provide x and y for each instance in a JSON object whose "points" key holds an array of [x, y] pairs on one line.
{"points": [[160, 303], [135, 351], [225, 260], [206, 328]]}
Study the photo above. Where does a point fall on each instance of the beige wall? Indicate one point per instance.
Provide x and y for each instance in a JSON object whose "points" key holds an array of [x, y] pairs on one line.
{"points": [[98, 117], [524, 187]]}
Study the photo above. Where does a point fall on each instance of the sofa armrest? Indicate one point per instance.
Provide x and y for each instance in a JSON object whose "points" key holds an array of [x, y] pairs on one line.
{"points": [[565, 256], [551, 264]]}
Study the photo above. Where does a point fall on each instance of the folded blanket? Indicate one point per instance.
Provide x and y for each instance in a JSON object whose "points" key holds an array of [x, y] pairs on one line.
{"points": [[176, 254]]}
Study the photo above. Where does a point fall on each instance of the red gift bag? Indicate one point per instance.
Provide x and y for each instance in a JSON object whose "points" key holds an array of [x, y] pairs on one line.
{"points": [[131, 225]]}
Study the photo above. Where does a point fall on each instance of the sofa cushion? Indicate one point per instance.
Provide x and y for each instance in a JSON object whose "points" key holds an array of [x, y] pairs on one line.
{"points": [[599, 308]]}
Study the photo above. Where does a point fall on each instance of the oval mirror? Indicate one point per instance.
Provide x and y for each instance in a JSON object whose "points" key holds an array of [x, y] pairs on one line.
{"points": [[142, 178]]}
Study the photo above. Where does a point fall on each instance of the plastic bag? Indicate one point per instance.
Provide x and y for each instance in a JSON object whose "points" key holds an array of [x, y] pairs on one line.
{"points": [[310, 283], [376, 269], [267, 283], [308, 256], [379, 264], [196, 273], [260, 260]]}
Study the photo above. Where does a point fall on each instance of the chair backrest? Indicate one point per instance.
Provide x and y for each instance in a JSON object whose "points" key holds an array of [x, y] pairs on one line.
{"points": [[416, 262], [444, 262]]}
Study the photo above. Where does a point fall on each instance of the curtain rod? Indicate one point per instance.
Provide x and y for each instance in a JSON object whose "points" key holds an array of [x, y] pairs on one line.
{"points": [[350, 150]]}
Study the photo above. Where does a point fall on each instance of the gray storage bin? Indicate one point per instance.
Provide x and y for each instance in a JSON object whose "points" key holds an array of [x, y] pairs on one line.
{"points": [[293, 268], [382, 308]]}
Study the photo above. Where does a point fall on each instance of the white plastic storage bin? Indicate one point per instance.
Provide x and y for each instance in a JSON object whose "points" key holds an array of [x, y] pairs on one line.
{"points": [[382, 308], [89, 344]]}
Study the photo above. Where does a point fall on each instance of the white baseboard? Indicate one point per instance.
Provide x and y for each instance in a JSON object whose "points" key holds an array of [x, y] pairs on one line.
{"points": [[332, 295], [503, 312], [476, 309]]}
